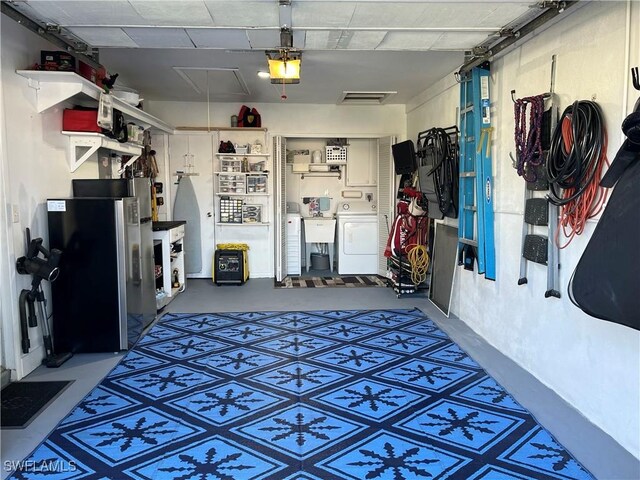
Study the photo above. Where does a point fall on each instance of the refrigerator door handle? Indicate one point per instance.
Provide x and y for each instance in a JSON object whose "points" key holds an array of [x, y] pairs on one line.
{"points": [[122, 271], [136, 264]]}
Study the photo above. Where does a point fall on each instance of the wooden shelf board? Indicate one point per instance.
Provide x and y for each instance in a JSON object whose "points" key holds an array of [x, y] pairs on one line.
{"points": [[222, 129]]}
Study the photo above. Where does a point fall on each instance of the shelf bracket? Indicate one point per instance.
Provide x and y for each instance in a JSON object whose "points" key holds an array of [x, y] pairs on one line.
{"points": [[128, 164], [83, 146], [49, 94], [79, 154]]}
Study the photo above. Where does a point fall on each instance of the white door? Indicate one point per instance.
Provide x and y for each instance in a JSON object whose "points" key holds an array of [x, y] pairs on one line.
{"points": [[280, 205], [198, 149], [386, 198], [360, 237]]}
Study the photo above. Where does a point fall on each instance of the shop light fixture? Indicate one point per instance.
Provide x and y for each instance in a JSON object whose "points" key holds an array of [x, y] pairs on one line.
{"points": [[284, 66]]}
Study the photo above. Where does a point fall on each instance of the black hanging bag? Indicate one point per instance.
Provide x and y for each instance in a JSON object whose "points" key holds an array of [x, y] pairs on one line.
{"points": [[605, 281]]}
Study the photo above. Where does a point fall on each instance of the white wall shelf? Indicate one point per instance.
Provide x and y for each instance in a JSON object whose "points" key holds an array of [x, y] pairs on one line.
{"points": [[243, 173], [242, 194], [242, 155], [248, 224], [84, 144], [221, 129], [57, 87], [319, 174]]}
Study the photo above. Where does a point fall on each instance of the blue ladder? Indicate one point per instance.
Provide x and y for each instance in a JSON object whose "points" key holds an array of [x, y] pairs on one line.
{"points": [[475, 237]]}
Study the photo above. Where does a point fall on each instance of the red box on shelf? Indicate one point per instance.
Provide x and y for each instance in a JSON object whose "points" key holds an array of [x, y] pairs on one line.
{"points": [[74, 120], [95, 75], [87, 71]]}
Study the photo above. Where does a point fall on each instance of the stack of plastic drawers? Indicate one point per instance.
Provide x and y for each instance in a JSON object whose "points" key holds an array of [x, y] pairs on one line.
{"points": [[230, 183], [256, 184]]}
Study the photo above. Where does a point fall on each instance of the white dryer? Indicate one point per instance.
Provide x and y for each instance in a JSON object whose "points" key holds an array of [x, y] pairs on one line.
{"points": [[357, 238]]}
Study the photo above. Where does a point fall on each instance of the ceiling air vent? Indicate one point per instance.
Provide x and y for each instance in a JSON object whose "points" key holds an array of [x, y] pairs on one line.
{"points": [[364, 98]]}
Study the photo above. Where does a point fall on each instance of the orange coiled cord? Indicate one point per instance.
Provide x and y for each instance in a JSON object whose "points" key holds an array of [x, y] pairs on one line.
{"points": [[573, 215]]}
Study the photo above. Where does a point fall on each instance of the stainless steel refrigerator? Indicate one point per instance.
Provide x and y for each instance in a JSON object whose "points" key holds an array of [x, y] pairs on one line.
{"points": [[141, 189], [105, 294]]}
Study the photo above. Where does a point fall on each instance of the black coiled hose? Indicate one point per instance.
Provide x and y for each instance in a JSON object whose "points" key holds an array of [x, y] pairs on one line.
{"points": [[575, 164], [577, 147], [439, 147]]}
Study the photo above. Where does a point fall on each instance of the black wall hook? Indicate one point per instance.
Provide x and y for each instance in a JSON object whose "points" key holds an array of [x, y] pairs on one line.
{"points": [[635, 77]]}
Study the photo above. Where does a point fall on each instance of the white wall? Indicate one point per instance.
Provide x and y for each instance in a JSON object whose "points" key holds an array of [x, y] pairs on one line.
{"points": [[289, 118], [34, 168], [593, 364]]}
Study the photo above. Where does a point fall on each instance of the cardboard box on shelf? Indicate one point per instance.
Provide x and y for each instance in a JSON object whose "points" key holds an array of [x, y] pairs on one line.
{"points": [[57, 61]]}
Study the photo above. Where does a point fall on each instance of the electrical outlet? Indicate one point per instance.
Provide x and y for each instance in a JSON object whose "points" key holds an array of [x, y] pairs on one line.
{"points": [[15, 213]]}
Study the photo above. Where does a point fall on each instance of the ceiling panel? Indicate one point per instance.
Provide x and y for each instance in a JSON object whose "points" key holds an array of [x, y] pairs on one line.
{"points": [[244, 14], [322, 14], [264, 39], [214, 82], [176, 13], [388, 15], [219, 38], [268, 39], [409, 40], [364, 40], [78, 13], [159, 37], [322, 39], [299, 39], [474, 15], [459, 40], [503, 14], [104, 36]]}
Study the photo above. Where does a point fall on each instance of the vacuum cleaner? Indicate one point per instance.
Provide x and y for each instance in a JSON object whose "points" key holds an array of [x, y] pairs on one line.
{"points": [[40, 269]]}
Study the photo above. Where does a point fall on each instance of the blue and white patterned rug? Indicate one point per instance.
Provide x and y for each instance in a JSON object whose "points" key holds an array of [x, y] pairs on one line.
{"points": [[381, 394]]}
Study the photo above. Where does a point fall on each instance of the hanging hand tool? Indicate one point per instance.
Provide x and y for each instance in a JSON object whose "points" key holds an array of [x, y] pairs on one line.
{"points": [[485, 133]]}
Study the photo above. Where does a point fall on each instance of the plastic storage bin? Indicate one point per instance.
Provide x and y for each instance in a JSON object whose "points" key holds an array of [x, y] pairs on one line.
{"points": [[256, 184], [231, 183], [232, 165], [336, 154]]}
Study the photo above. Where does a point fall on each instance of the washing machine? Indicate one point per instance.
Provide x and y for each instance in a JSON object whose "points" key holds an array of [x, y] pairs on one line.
{"points": [[357, 238]]}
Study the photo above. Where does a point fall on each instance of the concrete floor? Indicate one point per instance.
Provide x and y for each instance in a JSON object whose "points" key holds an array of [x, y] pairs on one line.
{"points": [[597, 451]]}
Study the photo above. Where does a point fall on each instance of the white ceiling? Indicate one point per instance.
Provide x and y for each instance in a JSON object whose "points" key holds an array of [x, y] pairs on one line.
{"points": [[347, 45]]}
